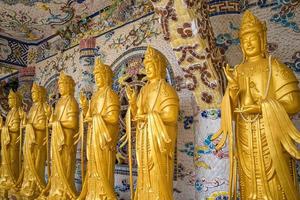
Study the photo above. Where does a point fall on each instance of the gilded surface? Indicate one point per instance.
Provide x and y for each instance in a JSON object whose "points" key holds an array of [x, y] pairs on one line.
{"points": [[102, 116], [64, 122], [32, 177], [10, 144], [155, 111], [261, 95]]}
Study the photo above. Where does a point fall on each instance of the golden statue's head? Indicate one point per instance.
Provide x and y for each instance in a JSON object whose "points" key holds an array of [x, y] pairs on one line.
{"points": [[14, 99], [66, 84], [155, 64], [38, 93], [103, 74], [253, 36]]}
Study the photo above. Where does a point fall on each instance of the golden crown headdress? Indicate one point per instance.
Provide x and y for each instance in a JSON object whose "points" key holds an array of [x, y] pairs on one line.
{"points": [[16, 96], [101, 67], [66, 78], [40, 89], [13, 94], [250, 23], [35, 87], [152, 53]]}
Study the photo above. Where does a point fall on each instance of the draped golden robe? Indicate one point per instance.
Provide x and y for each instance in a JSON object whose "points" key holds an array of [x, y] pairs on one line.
{"points": [[265, 148], [63, 151], [101, 147], [10, 150], [155, 142], [32, 177]]}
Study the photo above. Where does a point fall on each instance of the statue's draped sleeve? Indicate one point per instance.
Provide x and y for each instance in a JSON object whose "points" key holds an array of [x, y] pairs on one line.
{"points": [[286, 87], [161, 136], [104, 138], [73, 113], [281, 133]]}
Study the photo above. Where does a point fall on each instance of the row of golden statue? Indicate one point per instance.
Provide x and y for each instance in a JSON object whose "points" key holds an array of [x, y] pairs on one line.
{"points": [[155, 112], [261, 96]]}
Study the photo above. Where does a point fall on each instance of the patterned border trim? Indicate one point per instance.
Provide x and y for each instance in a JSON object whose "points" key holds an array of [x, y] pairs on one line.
{"points": [[97, 36], [221, 7], [18, 52]]}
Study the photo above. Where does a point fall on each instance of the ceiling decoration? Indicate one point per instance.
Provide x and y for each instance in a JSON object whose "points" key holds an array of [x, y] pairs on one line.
{"points": [[34, 20]]}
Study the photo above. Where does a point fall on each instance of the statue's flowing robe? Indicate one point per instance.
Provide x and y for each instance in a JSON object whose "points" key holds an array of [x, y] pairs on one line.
{"points": [[10, 150], [32, 177], [101, 148], [63, 152], [155, 143], [264, 144]]}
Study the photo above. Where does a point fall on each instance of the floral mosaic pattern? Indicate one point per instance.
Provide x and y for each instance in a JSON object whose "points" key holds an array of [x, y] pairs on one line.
{"points": [[205, 185], [295, 65], [5, 49], [284, 10], [24, 22], [13, 52], [102, 23], [143, 33]]}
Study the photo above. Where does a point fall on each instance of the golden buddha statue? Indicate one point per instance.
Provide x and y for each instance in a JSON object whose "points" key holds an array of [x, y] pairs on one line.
{"points": [[64, 122], [10, 144], [261, 96], [31, 180], [103, 117], [155, 112]]}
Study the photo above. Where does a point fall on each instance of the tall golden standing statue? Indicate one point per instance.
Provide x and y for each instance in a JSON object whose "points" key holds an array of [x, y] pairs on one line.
{"points": [[32, 177], [103, 116], [156, 112], [64, 123], [10, 144], [263, 93]]}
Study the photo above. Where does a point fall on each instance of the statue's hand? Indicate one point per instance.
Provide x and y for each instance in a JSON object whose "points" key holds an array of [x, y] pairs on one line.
{"points": [[131, 94], [140, 118], [230, 75], [83, 100], [48, 111], [250, 109], [22, 115]]}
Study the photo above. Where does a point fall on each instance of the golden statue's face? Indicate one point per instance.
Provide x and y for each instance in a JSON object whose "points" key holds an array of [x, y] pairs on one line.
{"points": [[251, 44], [63, 87], [100, 79], [12, 102], [35, 96], [150, 69]]}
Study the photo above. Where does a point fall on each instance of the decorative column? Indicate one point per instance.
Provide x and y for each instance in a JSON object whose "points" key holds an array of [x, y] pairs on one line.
{"points": [[87, 59], [26, 78], [88, 53], [186, 25]]}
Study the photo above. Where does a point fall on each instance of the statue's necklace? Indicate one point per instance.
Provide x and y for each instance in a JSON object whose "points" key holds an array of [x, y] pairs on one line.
{"points": [[265, 95]]}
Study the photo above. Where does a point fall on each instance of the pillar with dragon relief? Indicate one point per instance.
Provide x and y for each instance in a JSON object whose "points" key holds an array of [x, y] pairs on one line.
{"points": [[186, 26]]}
